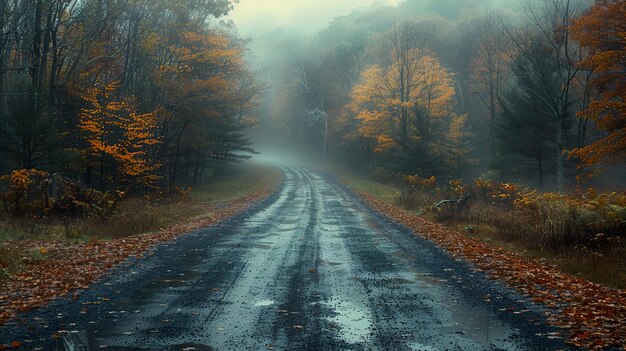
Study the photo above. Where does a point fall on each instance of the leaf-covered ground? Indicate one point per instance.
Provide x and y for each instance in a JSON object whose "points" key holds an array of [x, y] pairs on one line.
{"points": [[591, 315], [71, 266]]}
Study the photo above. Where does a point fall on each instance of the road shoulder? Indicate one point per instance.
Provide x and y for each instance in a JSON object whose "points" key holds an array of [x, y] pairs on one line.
{"points": [[70, 267]]}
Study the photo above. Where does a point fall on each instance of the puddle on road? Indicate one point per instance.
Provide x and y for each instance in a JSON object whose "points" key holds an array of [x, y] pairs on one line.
{"points": [[353, 321], [476, 325], [72, 341]]}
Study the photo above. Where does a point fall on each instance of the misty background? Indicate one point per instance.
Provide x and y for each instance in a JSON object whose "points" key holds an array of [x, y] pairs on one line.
{"points": [[278, 28], [288, 38]]}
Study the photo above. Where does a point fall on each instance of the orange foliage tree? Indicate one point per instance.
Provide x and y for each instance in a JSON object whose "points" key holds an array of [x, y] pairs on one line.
{"points": [[602, 32], [404, 107], [119, 139]]}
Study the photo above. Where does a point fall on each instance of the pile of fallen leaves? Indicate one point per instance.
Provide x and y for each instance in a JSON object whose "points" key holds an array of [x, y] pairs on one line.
{"points": [[594, 315], [71, 266]]}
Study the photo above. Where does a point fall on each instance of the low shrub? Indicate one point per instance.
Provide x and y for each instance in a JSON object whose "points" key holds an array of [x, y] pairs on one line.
{"points": [[554, 222], [29, 192]]}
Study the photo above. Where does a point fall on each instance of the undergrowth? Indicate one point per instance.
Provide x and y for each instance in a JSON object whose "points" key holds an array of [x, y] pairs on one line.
{"points": [[132, 216], [583, 234]]}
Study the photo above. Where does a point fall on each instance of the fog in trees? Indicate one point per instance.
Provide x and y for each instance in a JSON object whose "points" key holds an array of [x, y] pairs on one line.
{"points": [[452, 89]]}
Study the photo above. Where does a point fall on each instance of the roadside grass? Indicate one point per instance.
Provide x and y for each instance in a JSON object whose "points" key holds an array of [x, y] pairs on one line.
{"points": [[132, 217], [382, 191], [605, 264]]}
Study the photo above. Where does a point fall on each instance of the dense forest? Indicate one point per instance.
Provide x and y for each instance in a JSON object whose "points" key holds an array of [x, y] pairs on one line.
{"points": [[151, 96], [528, 92], [121, 94]]}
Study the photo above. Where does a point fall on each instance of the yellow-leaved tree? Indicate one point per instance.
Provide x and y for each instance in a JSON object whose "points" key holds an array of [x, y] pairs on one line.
{"points": [[120, 140], [405, 107]]}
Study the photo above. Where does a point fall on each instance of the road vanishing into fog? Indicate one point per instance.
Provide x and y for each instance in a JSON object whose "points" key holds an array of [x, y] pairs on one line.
{"points": [[311, 268]]}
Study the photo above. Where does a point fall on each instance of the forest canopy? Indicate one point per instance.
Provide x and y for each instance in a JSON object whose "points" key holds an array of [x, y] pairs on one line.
{"points": [[123, 94]]}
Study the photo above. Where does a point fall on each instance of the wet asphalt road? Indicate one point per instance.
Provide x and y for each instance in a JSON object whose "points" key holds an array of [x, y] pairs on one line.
{"points": [[309, 269]]}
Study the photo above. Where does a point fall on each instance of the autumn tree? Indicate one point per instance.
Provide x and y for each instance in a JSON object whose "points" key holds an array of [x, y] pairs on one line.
{"points": [[601, 32], [119, 139], [403, 107]]}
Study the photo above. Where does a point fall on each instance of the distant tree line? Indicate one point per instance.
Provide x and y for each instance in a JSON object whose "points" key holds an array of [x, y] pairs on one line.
{"points": [[122, 93], [427, 91]]}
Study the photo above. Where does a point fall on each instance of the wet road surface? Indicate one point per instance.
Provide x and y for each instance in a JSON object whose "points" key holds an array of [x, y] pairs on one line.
{"points": [[309, 269]]}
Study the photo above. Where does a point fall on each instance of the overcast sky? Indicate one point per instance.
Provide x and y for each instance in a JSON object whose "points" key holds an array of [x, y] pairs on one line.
{"points": [[279, 26], [255, 17]]}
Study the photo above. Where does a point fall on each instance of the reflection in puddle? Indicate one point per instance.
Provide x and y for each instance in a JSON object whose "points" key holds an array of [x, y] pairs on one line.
{"points": [[353, 321], [478, 326], [72, 341]]}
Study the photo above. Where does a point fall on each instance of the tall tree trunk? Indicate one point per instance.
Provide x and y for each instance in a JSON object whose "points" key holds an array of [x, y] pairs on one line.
{"points": [[197, 166], [45, 49], [492, 116], [4, 38], [177, 154], [560, 158], [55, 62], [36, 42]]}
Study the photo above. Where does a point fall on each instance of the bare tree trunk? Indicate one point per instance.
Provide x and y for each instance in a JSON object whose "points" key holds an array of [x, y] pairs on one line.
{"points": [[177, 154]]}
